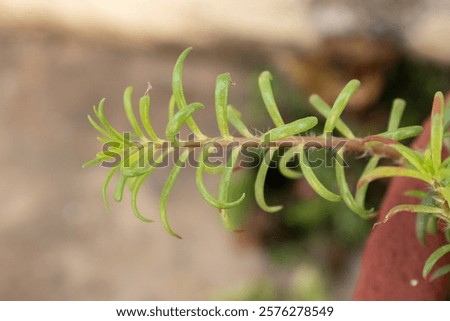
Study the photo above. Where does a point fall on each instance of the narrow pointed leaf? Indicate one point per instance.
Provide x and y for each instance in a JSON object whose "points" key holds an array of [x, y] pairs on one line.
{"points": [[134, 192], [203, 190], [171, 107], [360, 195], [181, 117], [402, 133], [128, 106], [425, 209], [223, 83], [322, 107], [440, 272], [437, 130], [140, 180], [178, 93], [120, 187], [144, 113], [266, 91], [224, 186], [398, 107], [421, 227], [344, 189], [226, 178], [260, 181], [100, 113], [167, 189], [234, 117], [433, 258], [105, 186], [294, 128], [413, 157], [340, 104], [99, 128], [313, 181], [391, 171]]}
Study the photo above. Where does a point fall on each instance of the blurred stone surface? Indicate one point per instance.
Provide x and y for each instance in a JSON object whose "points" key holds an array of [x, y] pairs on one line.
{"points": [[56, 242]]}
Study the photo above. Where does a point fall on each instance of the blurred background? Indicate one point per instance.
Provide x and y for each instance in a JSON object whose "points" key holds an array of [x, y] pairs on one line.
{"points": [[58, 58]]}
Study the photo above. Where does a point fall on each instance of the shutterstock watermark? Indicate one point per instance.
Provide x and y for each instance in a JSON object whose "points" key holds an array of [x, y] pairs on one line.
{"points": [[215, 153]]}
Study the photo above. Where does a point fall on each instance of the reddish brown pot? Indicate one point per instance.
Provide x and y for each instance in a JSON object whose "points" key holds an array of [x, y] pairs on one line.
{"points": [[393, 258]]}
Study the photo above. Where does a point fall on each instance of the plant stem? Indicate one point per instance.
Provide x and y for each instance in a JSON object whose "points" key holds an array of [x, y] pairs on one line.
{"points": [[356, 145]]}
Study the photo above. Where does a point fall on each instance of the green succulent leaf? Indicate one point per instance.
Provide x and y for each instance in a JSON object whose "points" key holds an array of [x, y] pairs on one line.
{"points": [[181, 117], [340, 104], [234, 117], [144, 113], [437, 130], [223, 83], [344, 189], [140, 180], [178, 92], [269, 101], [434, 258], [413, 157], [294, 128], [128, 106], [398, 107], [322, 107], [217, 203], [313, 181], [224, 186], [426, 209], [402, 133], [99, 128], [165, 193], [360, 195], [260, 182], [392, 171], [105, 186], [100, 113], [120, 187]]}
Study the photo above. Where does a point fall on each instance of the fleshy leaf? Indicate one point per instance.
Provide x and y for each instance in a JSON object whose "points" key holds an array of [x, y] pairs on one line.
{"points": [[402, 133], [391, 171], [437, 130], [178, 93], [322, 107], [223, 83], [426, 209], [344, 189], [433, 258], [269, 101], [144, 112], [260, 181], [181, 117], [120, 187], [313, 181], [360, 195], [340, 104], [413, 157], [217, 203], [167, 189], [224, 185], [294, 128], [398, 107], [128, 106], [234, 117]]}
